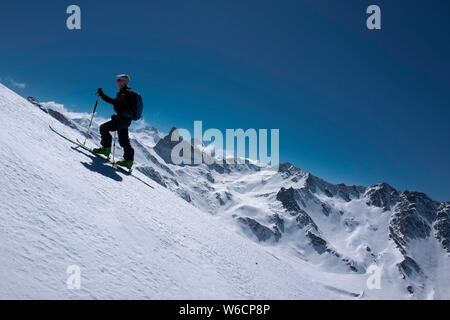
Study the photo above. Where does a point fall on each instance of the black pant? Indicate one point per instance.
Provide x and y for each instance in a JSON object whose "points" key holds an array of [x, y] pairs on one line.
{"points": [[121, 126]]}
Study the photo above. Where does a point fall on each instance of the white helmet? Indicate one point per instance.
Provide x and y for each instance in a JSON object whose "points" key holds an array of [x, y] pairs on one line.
{"points": [[124, 78]]}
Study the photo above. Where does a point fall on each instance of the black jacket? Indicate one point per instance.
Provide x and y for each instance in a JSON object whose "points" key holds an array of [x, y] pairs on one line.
{"points": [[123, 103]]}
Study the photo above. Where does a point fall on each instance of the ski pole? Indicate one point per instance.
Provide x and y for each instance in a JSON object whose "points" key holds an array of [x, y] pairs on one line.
{"points": [[114, 147], [92, 118]]}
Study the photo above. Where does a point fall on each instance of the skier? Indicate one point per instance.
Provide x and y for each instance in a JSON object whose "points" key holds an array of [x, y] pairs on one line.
{"points": [[123, 105]]}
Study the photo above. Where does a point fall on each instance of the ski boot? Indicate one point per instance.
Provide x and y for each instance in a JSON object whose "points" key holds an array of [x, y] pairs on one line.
{"points": [[125, 164], [105, 151]]}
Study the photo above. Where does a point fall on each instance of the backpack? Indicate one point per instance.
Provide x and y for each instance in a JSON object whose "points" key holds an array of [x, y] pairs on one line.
{"points": [[138, 105]]}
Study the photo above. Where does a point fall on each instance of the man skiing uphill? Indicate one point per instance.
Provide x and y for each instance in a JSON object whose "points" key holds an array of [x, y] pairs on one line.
{"points": [[128, 107]]}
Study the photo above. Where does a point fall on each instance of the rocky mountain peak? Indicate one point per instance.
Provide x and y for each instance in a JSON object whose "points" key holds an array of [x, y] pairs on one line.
{"points": [[382, 195]]}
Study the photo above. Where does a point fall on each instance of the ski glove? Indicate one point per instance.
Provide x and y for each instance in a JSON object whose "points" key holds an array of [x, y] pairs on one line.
{"points": [[100, 92]]}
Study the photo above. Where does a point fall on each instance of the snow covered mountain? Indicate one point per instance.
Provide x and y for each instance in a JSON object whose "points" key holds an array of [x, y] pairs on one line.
{"points": [[204, 231]]}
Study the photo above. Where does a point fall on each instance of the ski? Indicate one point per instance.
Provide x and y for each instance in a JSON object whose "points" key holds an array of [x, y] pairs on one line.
{"points": [[114, 165]]}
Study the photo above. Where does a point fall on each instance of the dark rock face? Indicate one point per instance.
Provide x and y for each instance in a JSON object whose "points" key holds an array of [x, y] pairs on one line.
{"points": [[287, 198], [422, 204], [347, 193], [352, 265], [409, 268], [219, 198], [328, 193], [262, 233], [304, 221], [184, 195], [410, 289], [319, 244], [289, 170], [209, 177], [152, 174], [278, 221], [382, 196], [405, 226], [290, 199], [37, 104], [442, 225], [326, 209], [412, 218]]}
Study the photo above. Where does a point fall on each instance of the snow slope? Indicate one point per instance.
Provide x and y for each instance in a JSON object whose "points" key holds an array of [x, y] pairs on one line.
{"points": [[61, 206], [205, 231]]}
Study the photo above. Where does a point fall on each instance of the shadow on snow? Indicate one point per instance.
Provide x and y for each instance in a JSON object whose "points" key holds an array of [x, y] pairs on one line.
{"points": [[98, 165]]}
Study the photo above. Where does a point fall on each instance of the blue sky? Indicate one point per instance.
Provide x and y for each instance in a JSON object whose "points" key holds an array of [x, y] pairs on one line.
{"points": [[352, 105]]}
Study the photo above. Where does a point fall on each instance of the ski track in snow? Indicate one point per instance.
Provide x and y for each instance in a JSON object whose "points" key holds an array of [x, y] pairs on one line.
{"points": [[61, 206]]}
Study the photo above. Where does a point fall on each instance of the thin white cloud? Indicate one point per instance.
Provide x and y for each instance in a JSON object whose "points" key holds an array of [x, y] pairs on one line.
{"points": [[70, 114], [17, 84], [140, 124], [11, 82], [54, 106]]}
